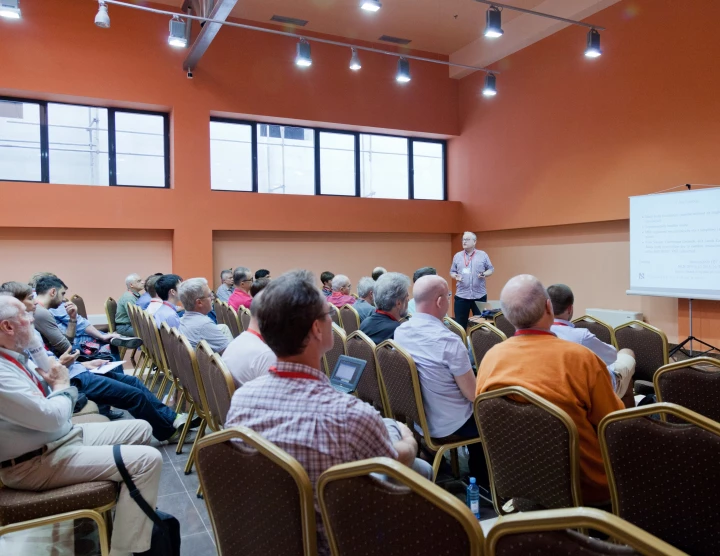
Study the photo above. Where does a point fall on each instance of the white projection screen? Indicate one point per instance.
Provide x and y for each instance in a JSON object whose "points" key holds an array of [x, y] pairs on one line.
{"points": [[675, 244]]}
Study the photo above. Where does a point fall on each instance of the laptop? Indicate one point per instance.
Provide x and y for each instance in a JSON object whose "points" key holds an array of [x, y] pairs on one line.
{"points": [[347, 373], [482, 306]]}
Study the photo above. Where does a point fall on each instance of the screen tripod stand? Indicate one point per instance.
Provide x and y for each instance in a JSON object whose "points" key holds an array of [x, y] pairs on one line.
{"points": [[690, 339]]}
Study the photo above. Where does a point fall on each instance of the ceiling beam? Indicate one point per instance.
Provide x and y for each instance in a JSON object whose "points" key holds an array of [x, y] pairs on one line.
{"points": [[220, 12]]}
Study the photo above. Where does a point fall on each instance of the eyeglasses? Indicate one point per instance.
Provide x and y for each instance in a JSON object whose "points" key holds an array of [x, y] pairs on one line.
{"points": [[329, 313]]}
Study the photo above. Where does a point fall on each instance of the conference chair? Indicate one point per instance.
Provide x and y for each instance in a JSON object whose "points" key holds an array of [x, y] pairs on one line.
{"points": [[220, 312], [21, 510], [350, 319], [335, 316], [601, 329], [259, 498], [555, 532], [394, 514], [370, 389], [245, 317], [688, 384], [649, 344], [532, 451], [166, 340], [80, 304], [500, 322], [110, 312], [217, 382], [233, 321], [482, 338], [455, 328], [663, 476], [339, 348], [399, 375], [141, 364], [157, 350]]}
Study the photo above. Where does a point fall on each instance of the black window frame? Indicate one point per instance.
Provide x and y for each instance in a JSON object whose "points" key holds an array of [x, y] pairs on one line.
{"points": [[112, 152], [316, 147]]}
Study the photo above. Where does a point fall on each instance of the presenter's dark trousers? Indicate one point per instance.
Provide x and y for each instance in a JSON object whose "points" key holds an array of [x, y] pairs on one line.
{"points": [[463, 308]]}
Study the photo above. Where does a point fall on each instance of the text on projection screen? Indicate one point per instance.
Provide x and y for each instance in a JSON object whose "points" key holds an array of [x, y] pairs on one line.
{"points": [[675, 244]]}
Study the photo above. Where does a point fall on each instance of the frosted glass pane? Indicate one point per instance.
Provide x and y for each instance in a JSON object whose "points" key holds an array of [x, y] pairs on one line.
{"points": [[20, 141], [337, 164]]}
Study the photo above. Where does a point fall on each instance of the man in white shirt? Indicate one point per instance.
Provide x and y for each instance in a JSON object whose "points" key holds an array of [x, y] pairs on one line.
{"points": [[621, 364], [197, 298], [248, 356], [446, 377]]}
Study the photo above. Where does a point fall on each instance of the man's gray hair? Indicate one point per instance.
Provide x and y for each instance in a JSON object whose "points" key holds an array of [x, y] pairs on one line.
{"points": [[9, 308], [130, 279], [366, 286], [390, 288], [470, 234], [241, 274], [340, 281], [523, 301], [224, 273], [190, 291]]}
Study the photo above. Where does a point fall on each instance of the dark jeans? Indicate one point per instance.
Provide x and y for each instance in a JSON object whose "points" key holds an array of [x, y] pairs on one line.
{"points": [[463, 308], [127, 392], [476, 463]]}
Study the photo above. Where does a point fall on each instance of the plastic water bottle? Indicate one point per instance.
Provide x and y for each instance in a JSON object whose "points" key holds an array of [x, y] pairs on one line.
{"points": [[473, 497]]}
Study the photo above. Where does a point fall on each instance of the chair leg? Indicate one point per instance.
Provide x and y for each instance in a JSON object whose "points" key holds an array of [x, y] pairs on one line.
{"points": [[455, 463], [140, 365], [199, 492], [149, 374], [185, 430], [155, 379], [180, 401], [191, 459], [162, 386]]}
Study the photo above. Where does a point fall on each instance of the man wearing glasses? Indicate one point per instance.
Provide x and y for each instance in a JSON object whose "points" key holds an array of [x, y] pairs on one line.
{"points": [[197, 298], [243, 279], [469, 267]]}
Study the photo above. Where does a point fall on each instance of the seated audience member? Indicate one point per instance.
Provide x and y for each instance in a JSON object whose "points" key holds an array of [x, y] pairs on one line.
{"points": [[135, 288], [326, 278], [419, 273], [295, 406], [248, 356], [365, 305], [226, 288], [446, 377], [621, 364], [197, 298], [262, 273], [146, 299], [243, 279], [564, 373], [113, 388], [341, 291], [41, 449], [391, 301], [60, 325], [377, 272], [167, 289], [258, 285]]}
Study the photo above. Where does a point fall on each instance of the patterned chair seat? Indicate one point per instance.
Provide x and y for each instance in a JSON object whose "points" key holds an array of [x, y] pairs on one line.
{"points": [[24, 505]]}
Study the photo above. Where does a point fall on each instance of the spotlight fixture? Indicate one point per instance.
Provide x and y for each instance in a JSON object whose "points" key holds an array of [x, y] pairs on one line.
{"points": [[370, 5], [493, 23], [593, 44], [490, 90], [10, 9], [303, 58], [403, 71], [102, 19], [177, 36], [354, 60]]}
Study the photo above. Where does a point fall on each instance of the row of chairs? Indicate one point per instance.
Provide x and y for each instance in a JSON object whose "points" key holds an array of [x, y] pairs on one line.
{"points": [[237, 322]]}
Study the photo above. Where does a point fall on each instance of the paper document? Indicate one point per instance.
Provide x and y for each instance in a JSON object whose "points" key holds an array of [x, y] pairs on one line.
{"points": [[107, 367]]}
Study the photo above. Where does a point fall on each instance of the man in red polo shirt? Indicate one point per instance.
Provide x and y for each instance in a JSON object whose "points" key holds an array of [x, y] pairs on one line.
{"points": [[243, 279]]}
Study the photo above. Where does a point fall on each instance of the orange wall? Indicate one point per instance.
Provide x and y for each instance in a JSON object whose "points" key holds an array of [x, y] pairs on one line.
{"points": [[567, 139]]}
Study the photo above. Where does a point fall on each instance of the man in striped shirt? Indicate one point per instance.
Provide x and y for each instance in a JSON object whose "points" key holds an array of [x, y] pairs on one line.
{"points": [[469, 268]]}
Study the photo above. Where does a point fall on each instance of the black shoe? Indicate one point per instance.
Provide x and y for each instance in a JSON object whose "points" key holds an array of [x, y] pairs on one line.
{"points": [[113, 414], [129, 343]]}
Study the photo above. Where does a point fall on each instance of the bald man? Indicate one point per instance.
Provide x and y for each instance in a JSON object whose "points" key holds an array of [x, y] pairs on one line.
{"points": [[564, 373], [446, 376]]}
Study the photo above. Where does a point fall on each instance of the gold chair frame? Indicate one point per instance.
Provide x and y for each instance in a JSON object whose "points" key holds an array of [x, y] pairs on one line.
{"points": [[339, 316], [434, 494], [646, 326], [336, 330], [233, 321], [555, 411], [141, 364], [602, 323], [487, 327], [242, 314], [381, 384], [579, 518], [279, 458], [353, 311], [681, 365], [455, 328], [494, 320], [220, 306], [82, 310]]}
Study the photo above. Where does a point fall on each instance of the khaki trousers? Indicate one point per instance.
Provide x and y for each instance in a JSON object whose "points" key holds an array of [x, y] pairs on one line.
{"points": [[624, 369], [85, 455]]}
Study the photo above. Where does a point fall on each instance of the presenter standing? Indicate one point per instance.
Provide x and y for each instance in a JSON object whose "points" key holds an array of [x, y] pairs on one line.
{"points": [[469, 267]]}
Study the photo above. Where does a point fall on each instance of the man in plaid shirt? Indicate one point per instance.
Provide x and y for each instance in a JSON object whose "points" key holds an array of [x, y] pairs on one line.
{"points": [[294, 405]]}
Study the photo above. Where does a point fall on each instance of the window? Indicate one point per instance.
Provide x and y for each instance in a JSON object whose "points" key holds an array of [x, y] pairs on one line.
{"points": [[428, 170], [384, 167], [286, 160], [337, 163], [231, 159], [83, 145]]}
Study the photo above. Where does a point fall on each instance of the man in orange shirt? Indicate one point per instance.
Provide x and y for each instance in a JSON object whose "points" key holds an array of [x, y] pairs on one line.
{"points": [[564, 373]]}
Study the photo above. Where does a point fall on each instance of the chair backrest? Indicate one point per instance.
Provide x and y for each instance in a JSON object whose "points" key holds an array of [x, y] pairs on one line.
{"points": [[167, 343], [350, 319], [188, 374], [504, 325], [339, 348], [663, 476], [259, 498], [80, 304], [370, 389], [551, 532], [150, 336], [232, 321], [245, 317], [649, 344], [220, 311], [366, 515], [688, 384], [482, 338], [532, 450], [217, 382], [335, 316], [110, 311], [454, 327], [603, 331]]}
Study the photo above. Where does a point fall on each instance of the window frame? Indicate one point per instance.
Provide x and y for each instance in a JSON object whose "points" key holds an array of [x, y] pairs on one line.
{"points": [[316, 147], [112, 141]]}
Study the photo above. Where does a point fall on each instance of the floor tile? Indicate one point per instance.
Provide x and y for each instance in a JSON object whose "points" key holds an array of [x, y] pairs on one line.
{"points": [[191, 481], [197, 545], [202, 510], [183, 509], [170, 483]]}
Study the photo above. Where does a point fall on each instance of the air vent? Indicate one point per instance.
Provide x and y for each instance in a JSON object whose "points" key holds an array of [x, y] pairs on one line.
{"points": [[289, 20], [395, 40]]}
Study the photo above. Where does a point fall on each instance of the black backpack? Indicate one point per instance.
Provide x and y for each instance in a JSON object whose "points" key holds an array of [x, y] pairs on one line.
{"points": [[166, 528]]}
